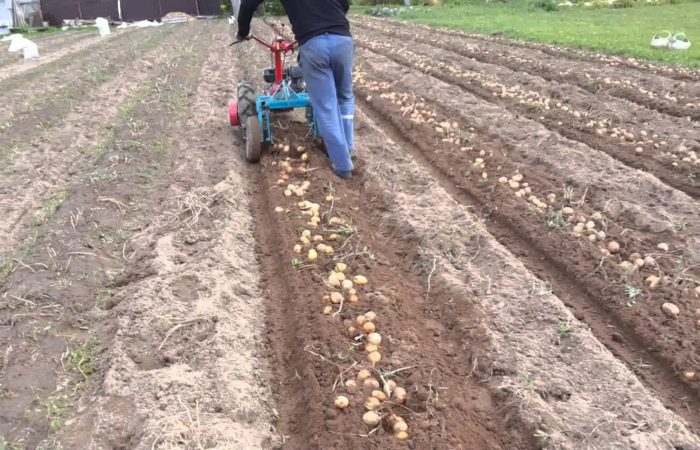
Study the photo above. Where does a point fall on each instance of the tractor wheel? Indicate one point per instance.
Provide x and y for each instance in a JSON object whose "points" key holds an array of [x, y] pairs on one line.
{"points": [[253, 141], [246, 103]]}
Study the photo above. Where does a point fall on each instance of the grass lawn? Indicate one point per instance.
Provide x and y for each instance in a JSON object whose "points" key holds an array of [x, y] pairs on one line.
{"points": [[626, 31]]}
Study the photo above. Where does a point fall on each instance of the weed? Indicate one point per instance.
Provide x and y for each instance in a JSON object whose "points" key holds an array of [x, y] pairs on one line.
{"points": [[557, 220], [633, 291], [542, 436], [691, 179], [49, 208], [680, 225], [54, 407], [6, 268], [452, 250], [528, 381], [102, 297], [564, 329], [80, 358], [297, 263]]}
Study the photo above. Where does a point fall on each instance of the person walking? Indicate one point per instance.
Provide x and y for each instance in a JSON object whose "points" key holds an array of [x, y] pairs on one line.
{"points": [[327, 54]]}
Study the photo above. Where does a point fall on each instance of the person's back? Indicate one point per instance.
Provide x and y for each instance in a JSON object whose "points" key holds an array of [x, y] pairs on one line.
{"points": [[327, 53], [311, 18]]}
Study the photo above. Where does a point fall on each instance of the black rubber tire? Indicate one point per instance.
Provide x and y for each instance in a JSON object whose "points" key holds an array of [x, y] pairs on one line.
{"points": [[253, 141], [246, 103]]}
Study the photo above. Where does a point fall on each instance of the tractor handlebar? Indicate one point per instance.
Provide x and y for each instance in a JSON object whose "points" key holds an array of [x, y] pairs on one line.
{"points": [[278, 45]]}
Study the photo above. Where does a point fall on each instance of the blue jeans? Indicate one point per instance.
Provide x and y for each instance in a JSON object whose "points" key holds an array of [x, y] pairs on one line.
{"points": [[326, 62]]}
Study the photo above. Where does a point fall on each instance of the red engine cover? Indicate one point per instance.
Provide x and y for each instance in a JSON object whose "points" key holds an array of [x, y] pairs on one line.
{"points": [[233, 113]]}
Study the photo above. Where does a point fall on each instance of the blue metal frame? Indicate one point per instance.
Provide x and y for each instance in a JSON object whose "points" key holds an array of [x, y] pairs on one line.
{"points": [[284, 98]]}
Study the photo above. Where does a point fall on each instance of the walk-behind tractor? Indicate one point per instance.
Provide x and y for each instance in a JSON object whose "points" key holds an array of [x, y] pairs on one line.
{"points": [[284, 91]]}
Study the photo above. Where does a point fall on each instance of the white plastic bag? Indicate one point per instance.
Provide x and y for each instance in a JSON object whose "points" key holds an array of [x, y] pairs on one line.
{"points": [[661, 40], [19, 43], [102, 26], [679, 42]]}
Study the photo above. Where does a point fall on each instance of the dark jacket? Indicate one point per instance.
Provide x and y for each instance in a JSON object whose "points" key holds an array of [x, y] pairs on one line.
{"points": [[309, 18]]}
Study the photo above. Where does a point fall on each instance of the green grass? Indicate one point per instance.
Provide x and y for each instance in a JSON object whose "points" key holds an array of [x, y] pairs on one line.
{"points": [[624, 31]]}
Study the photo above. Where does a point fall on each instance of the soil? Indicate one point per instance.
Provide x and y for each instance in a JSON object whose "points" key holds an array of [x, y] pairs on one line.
{"points": [[151, 296]]}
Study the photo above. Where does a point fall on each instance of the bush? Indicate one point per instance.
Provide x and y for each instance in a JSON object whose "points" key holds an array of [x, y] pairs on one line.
{"points": [[547, 5], [274, 8]]}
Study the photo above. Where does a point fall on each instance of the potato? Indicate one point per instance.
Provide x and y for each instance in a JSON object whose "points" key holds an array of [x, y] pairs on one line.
{"points": [[360, 320], [363, 374], [297, 248], [347, 285], [359, 280], [663, 246], [374, 338], [379, 395], [279, 209], [341, 267], [342, 402], [371, 383], [327, 310], [371, 418], [401, 435], [370, 315], [313, 256], [613, 247], [374, 358], [351, 385], [400, 395], [336, 297], [369, 348], [372, 403], [369, 327], [352, 332]]}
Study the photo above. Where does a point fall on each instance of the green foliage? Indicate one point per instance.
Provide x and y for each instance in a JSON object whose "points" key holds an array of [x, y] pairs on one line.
{"points": [[547, 5], [274, 8], [623, 31]]}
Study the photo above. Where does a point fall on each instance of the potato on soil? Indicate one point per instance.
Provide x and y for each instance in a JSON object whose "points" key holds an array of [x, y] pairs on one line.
{"points": [[342, 402], [313, 256], [371, 383], [369, 327], [341, 267], [370, 418], [336, 297], [327, 310], [401, 435], [372, 403], [351, 385], [370, 315], [374, 338], [400, 395], [613, 247], [374, 358], [379, 395], [363, 374], [359, 280]]}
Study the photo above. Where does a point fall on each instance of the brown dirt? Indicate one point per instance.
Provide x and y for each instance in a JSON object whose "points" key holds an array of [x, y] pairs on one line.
{"points": [[566, 108], [555, 257], [670, 96], [150, 296], [53, 49]]}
